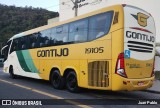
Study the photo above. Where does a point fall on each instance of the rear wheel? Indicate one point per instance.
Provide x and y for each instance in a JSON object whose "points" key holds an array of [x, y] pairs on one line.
{"points": [[57, 80], [11, 72], [71, 82]]}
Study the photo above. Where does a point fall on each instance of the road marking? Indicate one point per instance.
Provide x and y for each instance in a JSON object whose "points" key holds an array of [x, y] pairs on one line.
{"points": [[23, 86], [77, 103], [6, 81], [109, 97], [45, 93]]}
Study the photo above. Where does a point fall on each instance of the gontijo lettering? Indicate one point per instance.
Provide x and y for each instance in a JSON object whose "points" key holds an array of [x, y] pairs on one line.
{"points": [[140, 36], [53, 52]]}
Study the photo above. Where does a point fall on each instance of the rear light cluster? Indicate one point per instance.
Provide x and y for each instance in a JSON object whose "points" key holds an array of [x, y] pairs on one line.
{"points": [[120, 69]]}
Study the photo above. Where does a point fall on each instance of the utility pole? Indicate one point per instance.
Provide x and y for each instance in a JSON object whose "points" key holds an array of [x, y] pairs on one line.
{"points": [[75, 6]]}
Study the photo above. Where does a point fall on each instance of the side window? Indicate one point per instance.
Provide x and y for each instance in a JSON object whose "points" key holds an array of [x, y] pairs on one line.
{"points": [[53, 36], [33, 39], [23, 43], [19, 43], [15, 46], [30, 38], [44, 38], [61, 35], [78, 31], [99, 25], [30, 41], [6, 50], [36, 37]]}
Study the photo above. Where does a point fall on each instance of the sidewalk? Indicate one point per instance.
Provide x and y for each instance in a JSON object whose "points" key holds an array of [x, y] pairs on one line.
{"points": [[155, 88]]}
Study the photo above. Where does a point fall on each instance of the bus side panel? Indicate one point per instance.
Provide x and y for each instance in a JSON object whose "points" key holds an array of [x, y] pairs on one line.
{"points": [[13, 61], [46, 66], [23, 64], [29, 65], [117, 48], [83, 73], [70, 64], [98, 67]]}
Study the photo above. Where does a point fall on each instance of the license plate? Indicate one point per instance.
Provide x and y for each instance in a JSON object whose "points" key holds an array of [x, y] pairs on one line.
{"points": [[140, 83]]}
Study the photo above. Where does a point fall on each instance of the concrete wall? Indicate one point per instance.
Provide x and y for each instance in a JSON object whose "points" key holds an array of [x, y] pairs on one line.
{"points": [[53, 20], [157, 63], [84, 6], [157, 59], [67, 10]]}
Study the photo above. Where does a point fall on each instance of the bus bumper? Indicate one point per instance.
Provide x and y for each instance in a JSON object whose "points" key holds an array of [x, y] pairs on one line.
{"points": [[120, 83]]}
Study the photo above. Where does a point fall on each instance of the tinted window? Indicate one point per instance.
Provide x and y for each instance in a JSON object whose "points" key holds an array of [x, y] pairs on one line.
{"points": [[99, 25], [34, 40], [78, 31], [14, 45], [22, 43], [44, 39], [6, 50], [61, 35], [53, 36]]}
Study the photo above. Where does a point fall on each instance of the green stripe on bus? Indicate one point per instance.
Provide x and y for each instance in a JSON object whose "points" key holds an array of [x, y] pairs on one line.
{"points": [[29, 61], [26, 61], [22, 61]]}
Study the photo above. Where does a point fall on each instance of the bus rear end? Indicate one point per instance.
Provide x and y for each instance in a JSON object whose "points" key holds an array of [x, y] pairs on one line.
{"points": [[135, 64]]}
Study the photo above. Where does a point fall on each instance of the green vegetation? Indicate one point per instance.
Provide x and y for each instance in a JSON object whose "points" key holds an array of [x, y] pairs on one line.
{"points": [[14, 20]]}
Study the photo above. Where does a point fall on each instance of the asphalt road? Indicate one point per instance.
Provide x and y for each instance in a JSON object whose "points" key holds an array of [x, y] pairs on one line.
{"points": [[27, 88]]}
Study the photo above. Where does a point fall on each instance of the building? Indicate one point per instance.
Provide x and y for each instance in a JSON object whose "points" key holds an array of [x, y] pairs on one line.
{"points": [[53, 20], [157, 58], [157, 63], [67, 7]]}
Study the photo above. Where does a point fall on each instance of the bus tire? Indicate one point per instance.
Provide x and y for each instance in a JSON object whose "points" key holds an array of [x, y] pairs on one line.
{"points": [[57, 80], [11, 72], [71, 82]]}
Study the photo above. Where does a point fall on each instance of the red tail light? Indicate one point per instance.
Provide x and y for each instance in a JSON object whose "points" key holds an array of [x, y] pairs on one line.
{"points": [[120, 66]]}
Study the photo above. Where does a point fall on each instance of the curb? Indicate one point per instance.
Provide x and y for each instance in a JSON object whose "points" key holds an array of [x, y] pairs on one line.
{"points": [[152, 91]]}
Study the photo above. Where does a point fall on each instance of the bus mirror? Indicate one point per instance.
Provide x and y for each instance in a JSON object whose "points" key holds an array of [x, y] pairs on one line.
{"points": [[3, 49], [2, 53]]}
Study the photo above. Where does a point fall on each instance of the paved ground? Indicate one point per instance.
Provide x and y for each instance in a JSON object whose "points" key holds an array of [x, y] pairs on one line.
{"points": [[27, 88], [156, 87]]}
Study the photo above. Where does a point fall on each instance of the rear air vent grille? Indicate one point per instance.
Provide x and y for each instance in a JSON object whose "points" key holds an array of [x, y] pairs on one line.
{"points": [[140, 46], [98, 74]]}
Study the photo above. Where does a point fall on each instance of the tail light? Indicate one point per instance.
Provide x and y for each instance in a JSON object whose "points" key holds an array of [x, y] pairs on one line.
{"points": [[120, 66], [152, 74]]}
